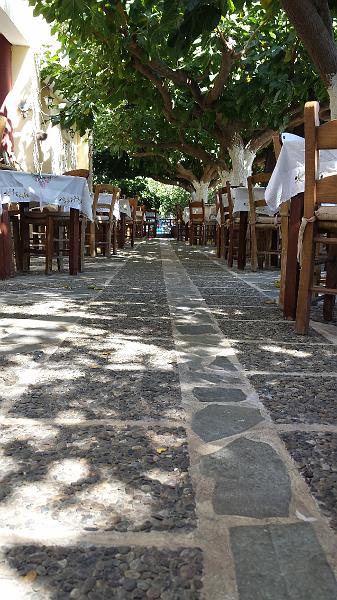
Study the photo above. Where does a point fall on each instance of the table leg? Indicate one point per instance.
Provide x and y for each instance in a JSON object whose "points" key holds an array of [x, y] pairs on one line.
{"points": [[24, 258], [292, 268], [74, 239], [242, 240], [121, 241], [6, 246]]}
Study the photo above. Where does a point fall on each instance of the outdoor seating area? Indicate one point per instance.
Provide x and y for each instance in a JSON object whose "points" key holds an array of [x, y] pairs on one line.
{"points": [[168, 283]]}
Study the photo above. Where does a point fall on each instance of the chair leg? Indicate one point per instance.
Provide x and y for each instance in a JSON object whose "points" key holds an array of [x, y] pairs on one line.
{"points": [[108, 240], [83, 225], [49, 240], [114, 238], [74, 234], [16, 240], [253, 247], [230, 247], [92, 240], [284, 251], [331, 282], [6, 247], [305, 284]]}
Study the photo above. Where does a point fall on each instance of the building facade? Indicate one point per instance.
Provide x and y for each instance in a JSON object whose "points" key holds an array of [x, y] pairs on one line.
{"points": [[25, 99]]}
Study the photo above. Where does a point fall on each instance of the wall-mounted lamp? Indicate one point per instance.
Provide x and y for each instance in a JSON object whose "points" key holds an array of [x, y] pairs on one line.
{"points": [[24, 107], [49, 101]]}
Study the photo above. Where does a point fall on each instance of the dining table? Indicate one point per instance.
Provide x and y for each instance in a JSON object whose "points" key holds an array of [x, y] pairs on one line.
{"points": [[41, 190], [287, 184], [240, 196]]}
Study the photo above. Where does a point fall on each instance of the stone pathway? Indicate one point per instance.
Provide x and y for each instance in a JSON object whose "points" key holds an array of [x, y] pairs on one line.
{"points": [[137, 459]]}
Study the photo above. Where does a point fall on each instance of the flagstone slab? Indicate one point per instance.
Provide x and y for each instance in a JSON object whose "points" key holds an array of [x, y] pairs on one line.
{"points": [[220, 421], [217, 394], [281, 562], [222, 362], [250, 480], [196, 329]]}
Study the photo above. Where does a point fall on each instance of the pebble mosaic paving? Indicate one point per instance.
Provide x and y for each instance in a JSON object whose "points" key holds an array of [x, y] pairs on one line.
{"points": [[150, 413]]}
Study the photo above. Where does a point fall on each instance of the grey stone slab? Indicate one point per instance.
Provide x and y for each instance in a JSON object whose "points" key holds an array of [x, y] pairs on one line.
{"points": [[199, 376], [250, 480], [195, 329], [217, 394], [222, 362], [218, 421], [281, 562]]}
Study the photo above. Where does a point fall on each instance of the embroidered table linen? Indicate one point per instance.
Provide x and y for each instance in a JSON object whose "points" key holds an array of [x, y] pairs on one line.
{"points": [[46, 190], [186, 214], [240, 197], [210, 212], [287, 179]]}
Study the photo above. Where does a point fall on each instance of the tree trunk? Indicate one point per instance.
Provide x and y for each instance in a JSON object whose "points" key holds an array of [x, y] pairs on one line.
{"points": [[332, 91], [201, 190], [313, 24], [242, 158]]}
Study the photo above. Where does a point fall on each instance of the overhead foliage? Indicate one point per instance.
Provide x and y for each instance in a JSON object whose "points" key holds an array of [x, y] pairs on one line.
{"points": [[178, 98]]}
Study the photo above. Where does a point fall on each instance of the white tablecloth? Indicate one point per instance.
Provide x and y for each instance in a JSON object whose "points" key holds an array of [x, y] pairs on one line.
{"points": [[186, 214], [240, 197], [210, 212], [53, 190], [287, 179], [124, 207]]}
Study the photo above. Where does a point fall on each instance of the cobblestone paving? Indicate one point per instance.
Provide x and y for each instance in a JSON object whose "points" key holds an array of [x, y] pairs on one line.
{"points": [[93, 444], [137, 459]]}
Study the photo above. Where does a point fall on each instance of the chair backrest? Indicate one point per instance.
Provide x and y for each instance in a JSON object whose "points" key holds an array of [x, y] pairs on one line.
{"points": [[133, 205], [197, 211], [277, 145], [224, 210], [140, 213], [179, 213], [3, 123], [318, 137], [111, 194], [253, 180], [78, 173]]}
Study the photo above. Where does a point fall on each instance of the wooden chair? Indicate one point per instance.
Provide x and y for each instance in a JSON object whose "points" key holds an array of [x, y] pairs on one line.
{"points": [[222, 227], [48, 233], [131, 222], [180, 226], [78, 173], [232, 225], [210, 224], [102, 233], [140, 221], [261, 227], [151, 221], [197, 222], [319, 224]]}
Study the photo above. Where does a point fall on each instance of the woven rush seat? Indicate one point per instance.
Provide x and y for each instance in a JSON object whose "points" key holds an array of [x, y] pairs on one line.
{"points": [[265, 220], [326, 213], [235, 221]]}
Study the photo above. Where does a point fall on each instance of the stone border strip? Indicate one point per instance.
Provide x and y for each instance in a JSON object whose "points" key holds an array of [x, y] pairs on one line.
{"points": [[222, 437]]}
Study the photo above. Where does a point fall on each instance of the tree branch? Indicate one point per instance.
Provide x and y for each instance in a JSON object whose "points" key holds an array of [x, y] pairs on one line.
{"points": [[162, 89], [227, 60], [311, 26]]}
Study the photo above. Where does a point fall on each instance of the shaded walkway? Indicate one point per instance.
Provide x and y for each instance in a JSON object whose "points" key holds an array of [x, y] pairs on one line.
{"points": [[137, 456]]}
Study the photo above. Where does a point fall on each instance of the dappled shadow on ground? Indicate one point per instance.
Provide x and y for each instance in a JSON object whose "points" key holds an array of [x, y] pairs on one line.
{"points": [[118, 573], [61, 479], [68, 478]]}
